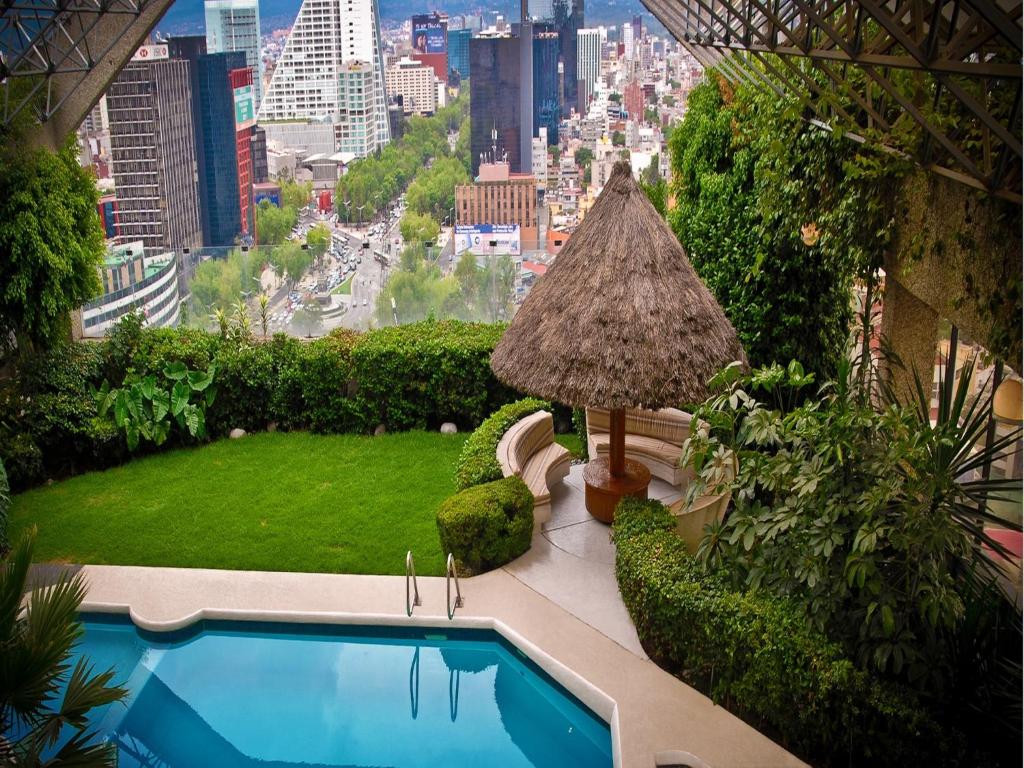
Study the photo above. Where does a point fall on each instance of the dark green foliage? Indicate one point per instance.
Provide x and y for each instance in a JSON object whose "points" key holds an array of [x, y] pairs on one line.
{"points": [[51, 243], [579, 426], [421, 375], [5, 509], [748, 174], [42, 698], [414, 376], [487, 525], [755, 654], [479, 462]]}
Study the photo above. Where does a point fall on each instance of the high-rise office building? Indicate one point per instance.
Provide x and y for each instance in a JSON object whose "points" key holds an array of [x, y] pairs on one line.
{"points": [[327, 36], [588, 62], [153, 162], [430, 42], [234, 25], [568, 17], [547, 111], [260, 171], [223, 115], [541, 10], [458, 52], [495, 102]]}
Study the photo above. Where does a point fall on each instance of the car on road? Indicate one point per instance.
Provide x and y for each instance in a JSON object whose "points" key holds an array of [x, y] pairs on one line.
{"points": [[366, 303]]}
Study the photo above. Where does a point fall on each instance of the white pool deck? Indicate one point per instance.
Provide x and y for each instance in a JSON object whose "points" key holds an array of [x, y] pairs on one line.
{"points": [[559, 602]]}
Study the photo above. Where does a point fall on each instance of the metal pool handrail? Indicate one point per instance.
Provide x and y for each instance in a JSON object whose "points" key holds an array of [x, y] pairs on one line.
{"points": [[410, 573], [450, 572]]}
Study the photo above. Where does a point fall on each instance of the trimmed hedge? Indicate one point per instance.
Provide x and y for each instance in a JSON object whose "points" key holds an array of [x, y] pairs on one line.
{"points": [[487, 525], [755, 654], [478, 462], [414, 376]]}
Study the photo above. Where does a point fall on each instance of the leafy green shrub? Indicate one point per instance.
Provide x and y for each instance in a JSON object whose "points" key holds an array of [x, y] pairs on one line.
{"points": [[325, 377], [420, 375], [246, 378], [579, 426], [24, 460], [487, 525], [478, 462], [756, 654], [146, 408]]}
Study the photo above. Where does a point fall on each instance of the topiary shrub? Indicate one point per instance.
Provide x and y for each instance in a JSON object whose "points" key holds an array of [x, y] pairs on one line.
{"points": [[478, 462], [487, 525], [756, 654]]}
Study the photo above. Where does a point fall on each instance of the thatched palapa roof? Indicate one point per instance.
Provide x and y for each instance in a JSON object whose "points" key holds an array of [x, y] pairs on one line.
{"points": [[621, 319]]}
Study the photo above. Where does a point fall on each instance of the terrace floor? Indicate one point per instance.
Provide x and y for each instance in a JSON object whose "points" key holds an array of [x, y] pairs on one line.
{"points": [[559, 603], [572, 562]]}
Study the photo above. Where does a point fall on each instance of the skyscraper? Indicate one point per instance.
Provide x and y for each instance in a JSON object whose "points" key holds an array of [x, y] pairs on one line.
{"points": [[153, 160], [458, 52], [546, 105], [541, 10], [568, 16], [495, 101], [588, 62], [234, 25], [327, 37]]}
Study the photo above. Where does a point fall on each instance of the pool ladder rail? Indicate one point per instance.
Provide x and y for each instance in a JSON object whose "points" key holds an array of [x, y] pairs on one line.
{"points": [[412, 590], [410, 575], [449, 574]]}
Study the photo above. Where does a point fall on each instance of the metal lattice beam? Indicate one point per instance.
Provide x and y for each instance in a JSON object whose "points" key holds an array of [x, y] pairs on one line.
{"points": [[952, 67], [58, 56]]}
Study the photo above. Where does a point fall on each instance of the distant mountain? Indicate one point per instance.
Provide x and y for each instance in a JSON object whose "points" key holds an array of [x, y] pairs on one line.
{"points": [[187, 16]]}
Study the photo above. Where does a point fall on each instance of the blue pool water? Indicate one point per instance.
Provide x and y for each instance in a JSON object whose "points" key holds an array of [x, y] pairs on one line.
{"points": [[232, 694]]}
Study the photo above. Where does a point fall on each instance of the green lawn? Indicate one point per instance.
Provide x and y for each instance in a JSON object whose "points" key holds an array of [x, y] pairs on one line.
{"points": [[274, 502], [345, 286]]}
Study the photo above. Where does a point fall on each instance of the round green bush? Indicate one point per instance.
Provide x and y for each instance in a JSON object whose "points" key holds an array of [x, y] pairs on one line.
{"points": [[487, 525]]}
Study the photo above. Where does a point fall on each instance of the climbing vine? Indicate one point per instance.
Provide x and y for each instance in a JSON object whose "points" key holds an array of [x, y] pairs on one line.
{"points": [[779, 216]]}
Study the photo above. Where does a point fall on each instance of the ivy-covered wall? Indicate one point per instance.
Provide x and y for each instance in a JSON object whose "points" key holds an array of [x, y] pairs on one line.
{"points": [[958, 250]]}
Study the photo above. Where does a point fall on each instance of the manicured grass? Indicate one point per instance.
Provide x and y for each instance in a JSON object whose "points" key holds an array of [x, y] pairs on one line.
{"points": [[345, 287], [571, 441], [273, 502]]}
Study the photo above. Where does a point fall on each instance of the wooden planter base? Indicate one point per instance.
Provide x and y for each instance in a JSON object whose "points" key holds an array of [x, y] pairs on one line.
{"points": [[603, 490]]}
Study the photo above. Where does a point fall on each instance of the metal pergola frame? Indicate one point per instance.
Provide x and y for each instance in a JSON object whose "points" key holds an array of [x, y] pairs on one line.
{"points": [[43, 42], [953, 67]]}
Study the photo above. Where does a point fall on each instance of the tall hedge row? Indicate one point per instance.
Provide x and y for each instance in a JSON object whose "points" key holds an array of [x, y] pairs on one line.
{"points": [[413, 376], [756, 655]]}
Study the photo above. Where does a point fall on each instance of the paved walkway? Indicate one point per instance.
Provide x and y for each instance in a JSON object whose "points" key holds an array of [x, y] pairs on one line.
{"points": [[572, 562]]}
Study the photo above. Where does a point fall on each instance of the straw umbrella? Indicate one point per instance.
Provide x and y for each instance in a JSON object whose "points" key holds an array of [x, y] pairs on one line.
{"points": [[620, 320]]}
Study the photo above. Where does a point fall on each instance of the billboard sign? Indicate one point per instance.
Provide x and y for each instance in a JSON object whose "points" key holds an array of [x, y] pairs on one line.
{"points": [[477, 239], [150, 53], [429, 34], [245, 110]]}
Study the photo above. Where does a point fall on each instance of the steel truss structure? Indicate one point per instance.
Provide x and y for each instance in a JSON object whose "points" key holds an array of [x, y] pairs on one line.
{"points": [[950, 68], [48, 48]]}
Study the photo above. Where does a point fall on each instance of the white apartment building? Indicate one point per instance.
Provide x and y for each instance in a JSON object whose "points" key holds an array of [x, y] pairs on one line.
{"points": [[356, 130], [416, 83], [307, 82], [588, 57]]}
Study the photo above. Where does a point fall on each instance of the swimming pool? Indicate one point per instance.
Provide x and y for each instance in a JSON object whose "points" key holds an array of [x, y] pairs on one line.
{"points": [[275, 695]]}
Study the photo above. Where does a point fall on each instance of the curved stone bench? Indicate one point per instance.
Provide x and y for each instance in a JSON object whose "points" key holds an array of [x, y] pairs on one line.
{"points": [[529, 451], [654, 438]]}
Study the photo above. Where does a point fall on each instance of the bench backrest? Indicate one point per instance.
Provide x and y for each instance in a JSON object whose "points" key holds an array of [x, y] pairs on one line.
{"points": [[533, 433], [668, 424]]}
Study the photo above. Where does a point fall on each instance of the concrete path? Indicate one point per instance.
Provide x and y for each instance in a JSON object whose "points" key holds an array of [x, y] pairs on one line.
{"points": [[572, 562]]}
